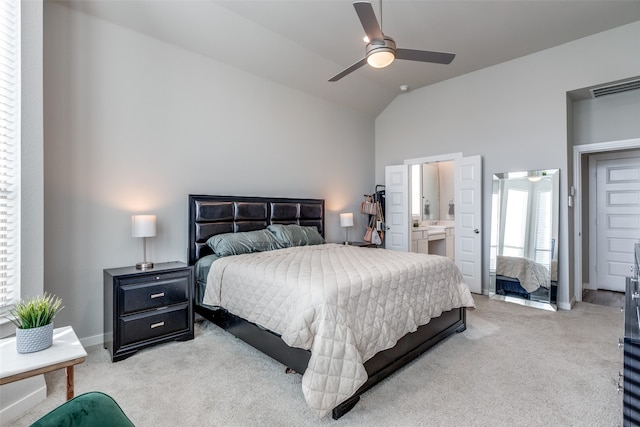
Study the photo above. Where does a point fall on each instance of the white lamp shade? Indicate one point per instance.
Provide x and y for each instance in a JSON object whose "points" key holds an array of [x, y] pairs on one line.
{"points": [[346, 219], [143, 225]]}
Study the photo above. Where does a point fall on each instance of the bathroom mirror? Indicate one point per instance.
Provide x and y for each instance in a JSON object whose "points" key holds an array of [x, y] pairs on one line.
{"points": [[524, 238], [430, 192]]}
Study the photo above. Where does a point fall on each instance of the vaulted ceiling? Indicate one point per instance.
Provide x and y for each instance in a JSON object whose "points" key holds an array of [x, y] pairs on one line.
{"points": [[303, 43]]}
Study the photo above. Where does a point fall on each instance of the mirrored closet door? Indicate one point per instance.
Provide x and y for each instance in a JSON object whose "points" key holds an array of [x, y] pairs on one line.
{"points": [[524, 237]]}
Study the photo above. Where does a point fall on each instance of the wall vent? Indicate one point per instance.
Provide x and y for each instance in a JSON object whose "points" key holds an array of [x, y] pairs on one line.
{"points": [[615, 88]]}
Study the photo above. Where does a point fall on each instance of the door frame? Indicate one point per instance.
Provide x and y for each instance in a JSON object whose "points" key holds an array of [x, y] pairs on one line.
{"points": [[576, 193], [456, 157], [593, 159]]}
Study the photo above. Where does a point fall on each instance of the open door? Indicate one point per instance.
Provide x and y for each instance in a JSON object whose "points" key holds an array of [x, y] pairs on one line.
{"points": [[468, 215], [396, 213], [468, 218]]}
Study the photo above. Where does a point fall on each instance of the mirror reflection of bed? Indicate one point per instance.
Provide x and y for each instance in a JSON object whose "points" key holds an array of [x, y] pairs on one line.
{"points": [[524, 230]]}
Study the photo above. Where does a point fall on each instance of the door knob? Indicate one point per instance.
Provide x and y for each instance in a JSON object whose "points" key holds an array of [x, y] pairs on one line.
{"points": [[476, 231]]}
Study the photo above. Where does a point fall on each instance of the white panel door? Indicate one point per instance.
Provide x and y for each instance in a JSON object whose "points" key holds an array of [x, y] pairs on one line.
{"points": [[468, 217], [396, 213], [617, 220]]}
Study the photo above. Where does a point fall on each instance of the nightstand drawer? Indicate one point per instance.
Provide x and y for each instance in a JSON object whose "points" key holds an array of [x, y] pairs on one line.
{"points": [[165, 290], [145, 326]]}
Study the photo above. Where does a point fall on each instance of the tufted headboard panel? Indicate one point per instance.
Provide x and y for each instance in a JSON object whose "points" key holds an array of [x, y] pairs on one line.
{"points": [[211, 215]]}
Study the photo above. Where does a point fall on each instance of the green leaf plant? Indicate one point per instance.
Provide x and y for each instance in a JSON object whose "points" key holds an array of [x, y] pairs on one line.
{"points": [[35, 312]]}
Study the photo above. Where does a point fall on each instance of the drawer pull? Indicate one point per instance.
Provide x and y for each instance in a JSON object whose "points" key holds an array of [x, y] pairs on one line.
{"points": [[158, 295], [157, 325]]}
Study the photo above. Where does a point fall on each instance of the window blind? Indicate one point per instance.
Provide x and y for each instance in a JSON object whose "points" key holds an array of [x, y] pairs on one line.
{"points": [[515, 226], [9, 151], [543, 228]]}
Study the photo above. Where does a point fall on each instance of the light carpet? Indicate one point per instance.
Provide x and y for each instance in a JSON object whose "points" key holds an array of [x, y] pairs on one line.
{"points": [[513, 366]]}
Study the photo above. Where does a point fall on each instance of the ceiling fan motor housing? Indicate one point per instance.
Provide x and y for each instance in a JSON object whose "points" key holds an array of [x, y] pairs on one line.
{"points": [[380, 55]]}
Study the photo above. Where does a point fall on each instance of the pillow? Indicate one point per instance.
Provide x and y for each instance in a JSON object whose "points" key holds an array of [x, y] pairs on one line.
{"points": [[243, 243], [202, 267], [296, 235]]}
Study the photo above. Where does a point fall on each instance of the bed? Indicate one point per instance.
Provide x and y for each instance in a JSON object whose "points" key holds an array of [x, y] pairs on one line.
{"points": [[213, 218]]}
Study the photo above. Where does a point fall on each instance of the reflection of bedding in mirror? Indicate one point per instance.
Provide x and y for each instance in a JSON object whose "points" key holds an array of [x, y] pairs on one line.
{"points": [[524, 232], [530, 274]]}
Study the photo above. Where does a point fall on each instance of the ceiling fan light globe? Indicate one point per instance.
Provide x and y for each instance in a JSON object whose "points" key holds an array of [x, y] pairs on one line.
{"points": [[381, 58], [380, 55]]}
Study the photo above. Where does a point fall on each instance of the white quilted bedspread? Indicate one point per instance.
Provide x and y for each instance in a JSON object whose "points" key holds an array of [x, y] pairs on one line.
{"points": [[530, 274], [343, 303]]}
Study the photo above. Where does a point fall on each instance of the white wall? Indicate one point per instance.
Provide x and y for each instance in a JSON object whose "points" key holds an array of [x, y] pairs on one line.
{"points": [[513, 114], [134, 125]]}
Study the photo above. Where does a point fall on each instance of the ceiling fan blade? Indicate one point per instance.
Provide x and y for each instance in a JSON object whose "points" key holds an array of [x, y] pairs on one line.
{"points": [[369, 22], [348, 70], [425, 56]]}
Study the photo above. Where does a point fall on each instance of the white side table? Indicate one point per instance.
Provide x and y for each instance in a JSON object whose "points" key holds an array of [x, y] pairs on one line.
{"points": [[65, 352]]}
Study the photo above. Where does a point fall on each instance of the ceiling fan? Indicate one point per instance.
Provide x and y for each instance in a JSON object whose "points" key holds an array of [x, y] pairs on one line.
{"points": [[381, 49]]}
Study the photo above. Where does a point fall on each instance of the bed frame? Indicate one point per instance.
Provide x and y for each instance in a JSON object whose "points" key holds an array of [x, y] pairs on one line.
{"points": [[211, 215]]}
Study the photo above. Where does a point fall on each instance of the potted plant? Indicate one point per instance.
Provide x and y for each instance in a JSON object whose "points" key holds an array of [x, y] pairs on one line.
{"points": [[34, 322]]}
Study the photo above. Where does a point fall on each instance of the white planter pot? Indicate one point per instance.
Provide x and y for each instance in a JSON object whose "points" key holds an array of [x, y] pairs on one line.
{"points": [[34, 339]]}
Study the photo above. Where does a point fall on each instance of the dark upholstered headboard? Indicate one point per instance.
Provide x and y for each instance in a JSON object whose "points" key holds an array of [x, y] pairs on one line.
{"points": [[211, 215]]}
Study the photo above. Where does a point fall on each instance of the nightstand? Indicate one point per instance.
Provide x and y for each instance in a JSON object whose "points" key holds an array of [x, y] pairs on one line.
{"points": [[147, 307]]}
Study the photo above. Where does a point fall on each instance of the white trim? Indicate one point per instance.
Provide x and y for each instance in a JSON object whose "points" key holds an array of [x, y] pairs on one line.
{"points": [[93, 340], [567, 306], [578, 151], [21, 396], [434, 159]]}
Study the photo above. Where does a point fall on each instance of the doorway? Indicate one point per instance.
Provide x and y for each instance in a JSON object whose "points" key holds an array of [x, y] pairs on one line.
{"points": [[614, 212], [467, 217], [581, 155]]}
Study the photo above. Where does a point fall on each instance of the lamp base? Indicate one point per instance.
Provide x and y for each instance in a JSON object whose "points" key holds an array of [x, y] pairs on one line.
{"points": [[146, 265]]}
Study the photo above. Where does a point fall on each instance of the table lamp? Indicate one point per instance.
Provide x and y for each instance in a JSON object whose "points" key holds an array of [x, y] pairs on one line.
{"points": [[346, 221], [143, 226]]}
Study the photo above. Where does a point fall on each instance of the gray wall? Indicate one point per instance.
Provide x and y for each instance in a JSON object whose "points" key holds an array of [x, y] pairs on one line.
{"points": [[513, 114], [134, 125], [609, 118]]}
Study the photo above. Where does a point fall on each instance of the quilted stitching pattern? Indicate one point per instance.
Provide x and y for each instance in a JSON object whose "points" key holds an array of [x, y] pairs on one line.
{"points": [[343, 303]]}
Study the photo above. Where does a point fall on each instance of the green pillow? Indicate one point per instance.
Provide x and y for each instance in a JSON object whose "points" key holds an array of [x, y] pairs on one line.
{"points": [[202, 267], [296, 235], [243, 243]]}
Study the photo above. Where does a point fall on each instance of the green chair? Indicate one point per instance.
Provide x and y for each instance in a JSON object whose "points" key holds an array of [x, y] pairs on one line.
{"points": [[88, 409]]}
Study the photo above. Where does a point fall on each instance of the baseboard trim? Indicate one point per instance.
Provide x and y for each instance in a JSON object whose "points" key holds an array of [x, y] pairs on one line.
{"points": [[20, 396], [93, 340], [567, 305]]}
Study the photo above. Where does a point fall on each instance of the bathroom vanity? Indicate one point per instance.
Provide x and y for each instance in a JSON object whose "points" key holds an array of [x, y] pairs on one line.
{"points": [[433, 239]]}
